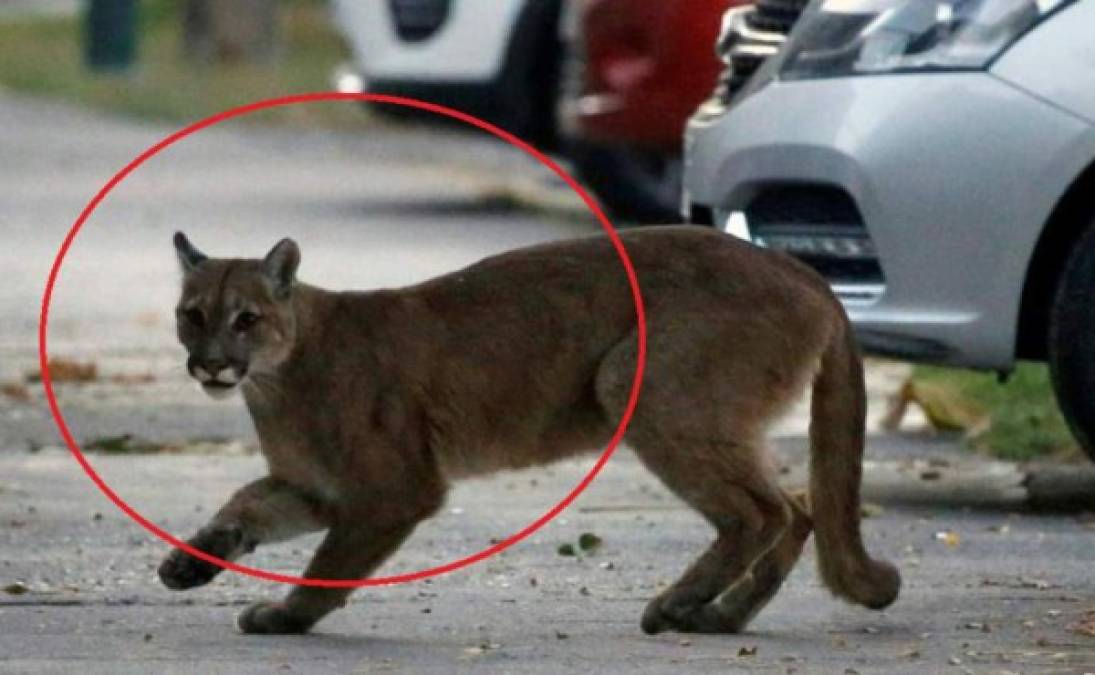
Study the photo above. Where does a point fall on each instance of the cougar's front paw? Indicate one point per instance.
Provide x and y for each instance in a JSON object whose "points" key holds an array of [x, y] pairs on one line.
{"points": [[271, 618], [180, 571]]}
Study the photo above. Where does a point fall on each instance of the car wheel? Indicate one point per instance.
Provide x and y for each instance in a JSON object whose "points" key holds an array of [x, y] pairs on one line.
{"points": [[637, 185], [1072, 342]]}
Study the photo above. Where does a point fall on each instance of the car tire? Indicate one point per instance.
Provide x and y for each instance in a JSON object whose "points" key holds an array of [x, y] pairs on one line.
{"points": [[634, 185], [1072, 341], [529, 84]]}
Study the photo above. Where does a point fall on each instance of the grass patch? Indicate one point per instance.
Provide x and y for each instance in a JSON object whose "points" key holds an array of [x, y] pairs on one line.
{"points": [[43, 56], [1024, 421]]}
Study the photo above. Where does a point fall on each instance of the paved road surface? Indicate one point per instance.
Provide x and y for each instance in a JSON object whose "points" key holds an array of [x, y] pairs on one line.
{"points": [[984, 591]]}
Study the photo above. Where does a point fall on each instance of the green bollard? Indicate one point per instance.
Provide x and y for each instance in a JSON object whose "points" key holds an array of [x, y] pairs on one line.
{"points": [[110, 34]]}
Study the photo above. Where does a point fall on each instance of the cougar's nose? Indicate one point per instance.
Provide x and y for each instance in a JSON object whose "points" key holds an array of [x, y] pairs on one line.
{"points": [[204, 370]]}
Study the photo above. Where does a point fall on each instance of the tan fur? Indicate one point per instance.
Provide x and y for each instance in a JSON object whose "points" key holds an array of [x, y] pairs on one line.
{"points": [[368, 405]]}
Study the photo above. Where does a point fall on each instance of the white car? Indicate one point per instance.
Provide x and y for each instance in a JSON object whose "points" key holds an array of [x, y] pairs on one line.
{"points": [[496, 59]]}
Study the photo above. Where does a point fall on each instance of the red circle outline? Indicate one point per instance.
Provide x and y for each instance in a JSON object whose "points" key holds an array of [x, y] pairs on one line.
{"points": [[47, 380]]}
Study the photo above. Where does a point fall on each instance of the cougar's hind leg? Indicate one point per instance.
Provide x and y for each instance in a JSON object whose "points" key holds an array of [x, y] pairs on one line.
{"points": [[749, 516], [734, 609], [703, 441]]}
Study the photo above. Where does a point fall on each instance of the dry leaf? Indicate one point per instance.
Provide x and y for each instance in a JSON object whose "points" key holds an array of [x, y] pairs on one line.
{"points": [[67, 370], [15, 391], [1038, 584], [951, 539], [751, 650], [133, 378], [17, 588], [1084, 626], [945, 409], [869, 510], [588, 542]]}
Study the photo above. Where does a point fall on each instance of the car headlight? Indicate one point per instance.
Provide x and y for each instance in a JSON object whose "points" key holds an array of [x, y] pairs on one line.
{"points": [[861, 37]]}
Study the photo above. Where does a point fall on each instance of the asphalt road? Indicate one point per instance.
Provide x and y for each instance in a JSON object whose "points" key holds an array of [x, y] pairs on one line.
{"points": [[985, 591]]}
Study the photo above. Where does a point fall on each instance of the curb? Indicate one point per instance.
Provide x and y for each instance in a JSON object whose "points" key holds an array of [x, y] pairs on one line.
{"points": [[983, 484]]}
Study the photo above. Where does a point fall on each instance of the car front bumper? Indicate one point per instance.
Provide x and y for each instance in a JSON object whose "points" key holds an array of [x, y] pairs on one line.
{"points": [[952, 175]]}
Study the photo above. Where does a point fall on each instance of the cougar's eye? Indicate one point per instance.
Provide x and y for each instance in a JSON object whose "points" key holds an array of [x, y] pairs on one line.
{"points": [[244, 321], [194, 317]]}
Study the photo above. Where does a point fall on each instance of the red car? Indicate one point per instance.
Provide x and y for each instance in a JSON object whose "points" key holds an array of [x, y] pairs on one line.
{"points": [[633, 71]]}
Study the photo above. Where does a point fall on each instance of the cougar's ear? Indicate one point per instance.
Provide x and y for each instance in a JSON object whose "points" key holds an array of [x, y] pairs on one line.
{"points": [[189, 257], [280, 266]]}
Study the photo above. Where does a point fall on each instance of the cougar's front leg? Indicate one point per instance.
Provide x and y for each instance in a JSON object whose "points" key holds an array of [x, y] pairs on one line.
{"points": [[267, 510], [349, 551]]}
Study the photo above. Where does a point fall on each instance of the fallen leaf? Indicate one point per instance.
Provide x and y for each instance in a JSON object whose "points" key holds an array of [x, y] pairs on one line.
{"points": [[751, 650], [1038, 584], [482, 648], [17, 588], [133, 378], [15, 391], [123, 444], [1084, 626], [567, 550], [951, 539], [67, 370], [870, 510], [587, 541]]}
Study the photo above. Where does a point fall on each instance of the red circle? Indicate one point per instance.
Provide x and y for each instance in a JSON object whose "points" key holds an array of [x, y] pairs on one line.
{"points": [[47, 381]]}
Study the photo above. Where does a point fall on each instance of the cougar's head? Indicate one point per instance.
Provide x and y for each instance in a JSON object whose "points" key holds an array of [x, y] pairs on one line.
{"points": [[235, 316]]}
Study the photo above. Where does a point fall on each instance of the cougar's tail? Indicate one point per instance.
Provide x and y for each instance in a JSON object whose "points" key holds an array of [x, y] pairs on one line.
{"points": [[837, 418]]}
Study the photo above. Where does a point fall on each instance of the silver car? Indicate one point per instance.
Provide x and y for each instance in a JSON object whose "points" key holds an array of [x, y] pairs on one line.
{"points": [[936, 161]]}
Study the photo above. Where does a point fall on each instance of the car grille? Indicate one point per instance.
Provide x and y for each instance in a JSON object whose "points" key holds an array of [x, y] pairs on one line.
{"points": [[819, 224], [754, 33], [417, 20]]}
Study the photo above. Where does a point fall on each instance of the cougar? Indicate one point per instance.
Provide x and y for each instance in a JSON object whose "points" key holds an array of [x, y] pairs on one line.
{"points": [[368, 405]]}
